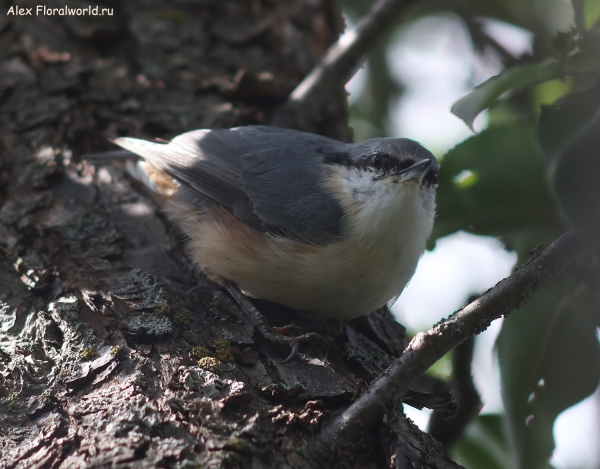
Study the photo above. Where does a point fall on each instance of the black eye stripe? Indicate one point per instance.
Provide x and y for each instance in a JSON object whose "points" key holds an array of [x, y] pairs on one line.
{"points": [[377, 161], [386, 163]]}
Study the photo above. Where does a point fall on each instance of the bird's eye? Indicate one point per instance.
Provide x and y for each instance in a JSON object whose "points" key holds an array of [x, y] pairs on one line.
{"points": [[376, 162]]}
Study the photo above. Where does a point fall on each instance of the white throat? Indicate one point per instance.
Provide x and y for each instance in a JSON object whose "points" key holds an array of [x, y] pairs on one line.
{"points": [[385, 208], [387, 228]]}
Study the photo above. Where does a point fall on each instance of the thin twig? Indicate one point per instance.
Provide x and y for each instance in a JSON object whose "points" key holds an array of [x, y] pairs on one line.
{"points": [[338, 65], [428, 347]]}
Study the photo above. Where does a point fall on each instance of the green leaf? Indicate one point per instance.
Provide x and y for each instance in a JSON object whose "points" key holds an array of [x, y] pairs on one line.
{"points": [[483, 445], [516, 78], [591, 13], [549, 91], [549, 360], [494, 184], [487, 93], [569, 134]]}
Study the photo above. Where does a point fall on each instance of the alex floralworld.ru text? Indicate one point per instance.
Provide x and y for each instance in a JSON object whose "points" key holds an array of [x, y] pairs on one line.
{"points": [[43, 10]]}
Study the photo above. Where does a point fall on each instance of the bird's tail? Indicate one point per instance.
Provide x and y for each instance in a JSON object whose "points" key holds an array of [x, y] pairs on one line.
{"points": [[155, 179]]}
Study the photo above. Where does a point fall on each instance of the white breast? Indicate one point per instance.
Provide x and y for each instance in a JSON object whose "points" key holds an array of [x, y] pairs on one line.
{"points": [[387, 227], [390, 224]]}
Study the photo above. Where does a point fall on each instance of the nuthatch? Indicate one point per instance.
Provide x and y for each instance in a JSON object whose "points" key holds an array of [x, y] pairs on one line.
{"points": [[296, 218]]}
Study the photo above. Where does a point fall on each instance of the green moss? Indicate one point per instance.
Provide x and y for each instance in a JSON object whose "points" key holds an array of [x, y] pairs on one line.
{"points": [[178, 317], [210, 363], [89, 353], [223, 351], [181, 318], [225, 355], [165, 310], [116, 350], [11, 400], [221, 343], [199, 352], [239, 445]]}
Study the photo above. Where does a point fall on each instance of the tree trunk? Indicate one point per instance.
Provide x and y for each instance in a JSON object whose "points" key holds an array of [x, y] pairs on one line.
{"points": [[104, 359]]}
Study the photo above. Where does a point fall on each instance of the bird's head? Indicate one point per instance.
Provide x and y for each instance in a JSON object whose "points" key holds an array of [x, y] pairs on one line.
{"points": [[381, 164]]}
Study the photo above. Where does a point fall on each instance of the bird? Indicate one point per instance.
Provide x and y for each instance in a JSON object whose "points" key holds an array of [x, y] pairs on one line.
{"points": [[298, 219]]}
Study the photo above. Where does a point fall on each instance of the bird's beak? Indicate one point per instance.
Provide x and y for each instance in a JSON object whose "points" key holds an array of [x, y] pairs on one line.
{"points": [[416, 172]]}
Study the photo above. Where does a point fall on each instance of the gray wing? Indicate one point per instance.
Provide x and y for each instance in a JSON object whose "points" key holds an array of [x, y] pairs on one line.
{"points": [[267, 177]]}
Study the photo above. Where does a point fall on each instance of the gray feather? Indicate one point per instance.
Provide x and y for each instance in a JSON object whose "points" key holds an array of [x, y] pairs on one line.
{"points": [[282, 174], [267, 177]]}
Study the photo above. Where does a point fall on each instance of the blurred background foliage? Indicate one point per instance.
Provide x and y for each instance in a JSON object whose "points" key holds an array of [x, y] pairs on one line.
{"points": [[527, 72]]}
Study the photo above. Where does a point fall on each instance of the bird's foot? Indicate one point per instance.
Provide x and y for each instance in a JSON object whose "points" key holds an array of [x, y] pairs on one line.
{"points": [[278, 336]]}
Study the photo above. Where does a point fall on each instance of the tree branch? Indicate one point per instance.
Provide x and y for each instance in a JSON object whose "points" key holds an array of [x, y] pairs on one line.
{"points": [[338, 65], [428, 347]]}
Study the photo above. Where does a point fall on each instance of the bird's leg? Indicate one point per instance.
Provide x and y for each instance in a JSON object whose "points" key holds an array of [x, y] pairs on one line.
{"points": [[259, 321]]}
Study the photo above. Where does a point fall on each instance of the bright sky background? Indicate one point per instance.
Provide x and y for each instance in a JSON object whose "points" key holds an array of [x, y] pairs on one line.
{"points": [[434, 59]]}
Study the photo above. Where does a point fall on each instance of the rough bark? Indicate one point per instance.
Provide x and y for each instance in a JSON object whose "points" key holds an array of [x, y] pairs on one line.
{"points": [[104, 360]]}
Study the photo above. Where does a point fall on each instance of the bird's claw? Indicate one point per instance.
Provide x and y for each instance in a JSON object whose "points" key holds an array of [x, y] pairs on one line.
{"points": [[294, 351], [294, 342], [273, 335]]}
